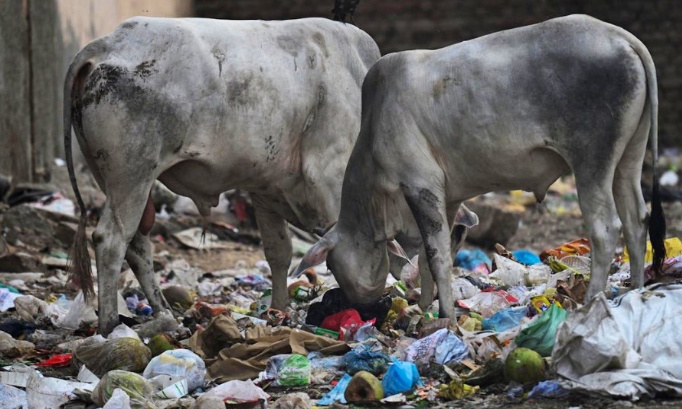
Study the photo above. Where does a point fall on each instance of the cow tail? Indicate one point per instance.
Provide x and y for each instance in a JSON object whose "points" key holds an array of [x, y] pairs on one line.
{"points": [[657, 225], [79, 260]]}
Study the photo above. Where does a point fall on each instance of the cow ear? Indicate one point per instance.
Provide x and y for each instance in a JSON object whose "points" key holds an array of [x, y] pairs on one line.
{"points": [[396, 249], [316, 255], [466, 217]]}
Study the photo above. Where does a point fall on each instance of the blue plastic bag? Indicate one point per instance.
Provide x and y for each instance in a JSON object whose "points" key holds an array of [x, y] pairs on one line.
{"points": [[401, 377], [470, 259], [526, 257], [440, 347], [336, 394], [548, 389], [358, 360], [505, 319]]}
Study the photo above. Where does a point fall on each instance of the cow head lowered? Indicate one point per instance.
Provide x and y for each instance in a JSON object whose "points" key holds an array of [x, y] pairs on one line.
{"points": [[360, 263]]}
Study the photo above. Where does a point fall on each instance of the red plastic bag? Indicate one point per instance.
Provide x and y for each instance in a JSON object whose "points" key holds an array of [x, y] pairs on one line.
{"points": [[56, 361], [346, 323]]}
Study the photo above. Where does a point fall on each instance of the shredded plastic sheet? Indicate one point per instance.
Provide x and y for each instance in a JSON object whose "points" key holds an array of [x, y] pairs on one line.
{"points": [[626, 348]]}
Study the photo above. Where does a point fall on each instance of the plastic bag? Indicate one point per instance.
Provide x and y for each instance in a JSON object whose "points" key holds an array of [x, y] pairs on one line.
{"points": [[118, 400], [7, 299], [134, 385], [11, 347], [336, 394], [463, 289], [363, 359], [345, 322], [526, 257], [488, 303], [178, 362], [29, 307], [298, 400], [505, 319], [470, 259], [102, 356], [548, 389], [401, 377], [295, 371], [235, 392], [539, 335], [440, 347], [49, 393], [324, 369], [12, 398], [80, 313], [123, 331], [509, 272]]}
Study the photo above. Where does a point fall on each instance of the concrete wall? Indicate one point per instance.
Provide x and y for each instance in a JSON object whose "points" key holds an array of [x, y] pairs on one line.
{"points": [[408, 24], [38, 40]]}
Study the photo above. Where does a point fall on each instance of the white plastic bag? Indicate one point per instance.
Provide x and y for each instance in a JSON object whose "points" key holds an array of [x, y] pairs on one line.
{"points": [[123, 331], [118, 400], [80, 312], [236, 391], [627, 348], [49, 393], [12, 398], [509, 272], [178, 362]]}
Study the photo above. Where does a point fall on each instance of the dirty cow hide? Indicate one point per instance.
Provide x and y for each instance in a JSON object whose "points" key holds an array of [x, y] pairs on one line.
{"points": [[511, 110], [205, 106]]}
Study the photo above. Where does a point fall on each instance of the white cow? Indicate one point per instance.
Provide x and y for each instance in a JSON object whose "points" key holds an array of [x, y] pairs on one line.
{"points": [[271, 107], [511, 110]]}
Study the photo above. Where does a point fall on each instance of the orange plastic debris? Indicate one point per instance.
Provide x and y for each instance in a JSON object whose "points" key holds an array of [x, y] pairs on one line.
{"points": [[576, 247]]}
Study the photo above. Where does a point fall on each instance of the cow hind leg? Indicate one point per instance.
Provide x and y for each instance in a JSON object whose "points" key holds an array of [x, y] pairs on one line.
{"points": [[116, 228], [597, 204], [139, 257], [274, 231], [630, 202]]}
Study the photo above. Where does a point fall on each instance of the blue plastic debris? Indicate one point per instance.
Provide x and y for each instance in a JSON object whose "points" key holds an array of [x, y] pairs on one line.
{"points": [[526, 257], [401, 377], [505, 319], [336, 394], [470, 259], [548, 389]]}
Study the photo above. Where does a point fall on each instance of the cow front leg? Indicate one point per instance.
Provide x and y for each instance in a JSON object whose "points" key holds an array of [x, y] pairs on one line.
{"points": [[139, 257], [274, 232], [428, 290], [457, 236], [428, 207]]}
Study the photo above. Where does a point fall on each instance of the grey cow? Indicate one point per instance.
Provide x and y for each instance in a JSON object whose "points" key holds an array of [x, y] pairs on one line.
{"points": [[271, 107], [511, 110]]}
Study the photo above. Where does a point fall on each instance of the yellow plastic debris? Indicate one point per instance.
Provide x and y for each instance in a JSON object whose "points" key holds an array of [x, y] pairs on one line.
{"points": [[456, 390], [673, 248], [470, 324]]}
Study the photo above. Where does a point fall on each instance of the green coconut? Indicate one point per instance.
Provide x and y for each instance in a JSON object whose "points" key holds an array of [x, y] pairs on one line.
{"points": [[524, 366]]}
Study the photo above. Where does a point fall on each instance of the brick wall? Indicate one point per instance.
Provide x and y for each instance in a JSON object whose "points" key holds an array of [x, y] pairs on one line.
{"points": [[408, 24]]}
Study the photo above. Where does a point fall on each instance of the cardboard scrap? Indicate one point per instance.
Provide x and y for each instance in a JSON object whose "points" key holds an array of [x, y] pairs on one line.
{"points": [[246, 356]]}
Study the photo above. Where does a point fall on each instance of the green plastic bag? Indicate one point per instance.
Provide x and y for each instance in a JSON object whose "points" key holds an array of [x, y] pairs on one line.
{"points": [[295, 371], [135, 386], [539, 335]]}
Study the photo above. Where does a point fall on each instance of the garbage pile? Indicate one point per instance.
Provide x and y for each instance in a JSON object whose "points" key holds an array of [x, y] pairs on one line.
{"points": [[523, 330]]}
